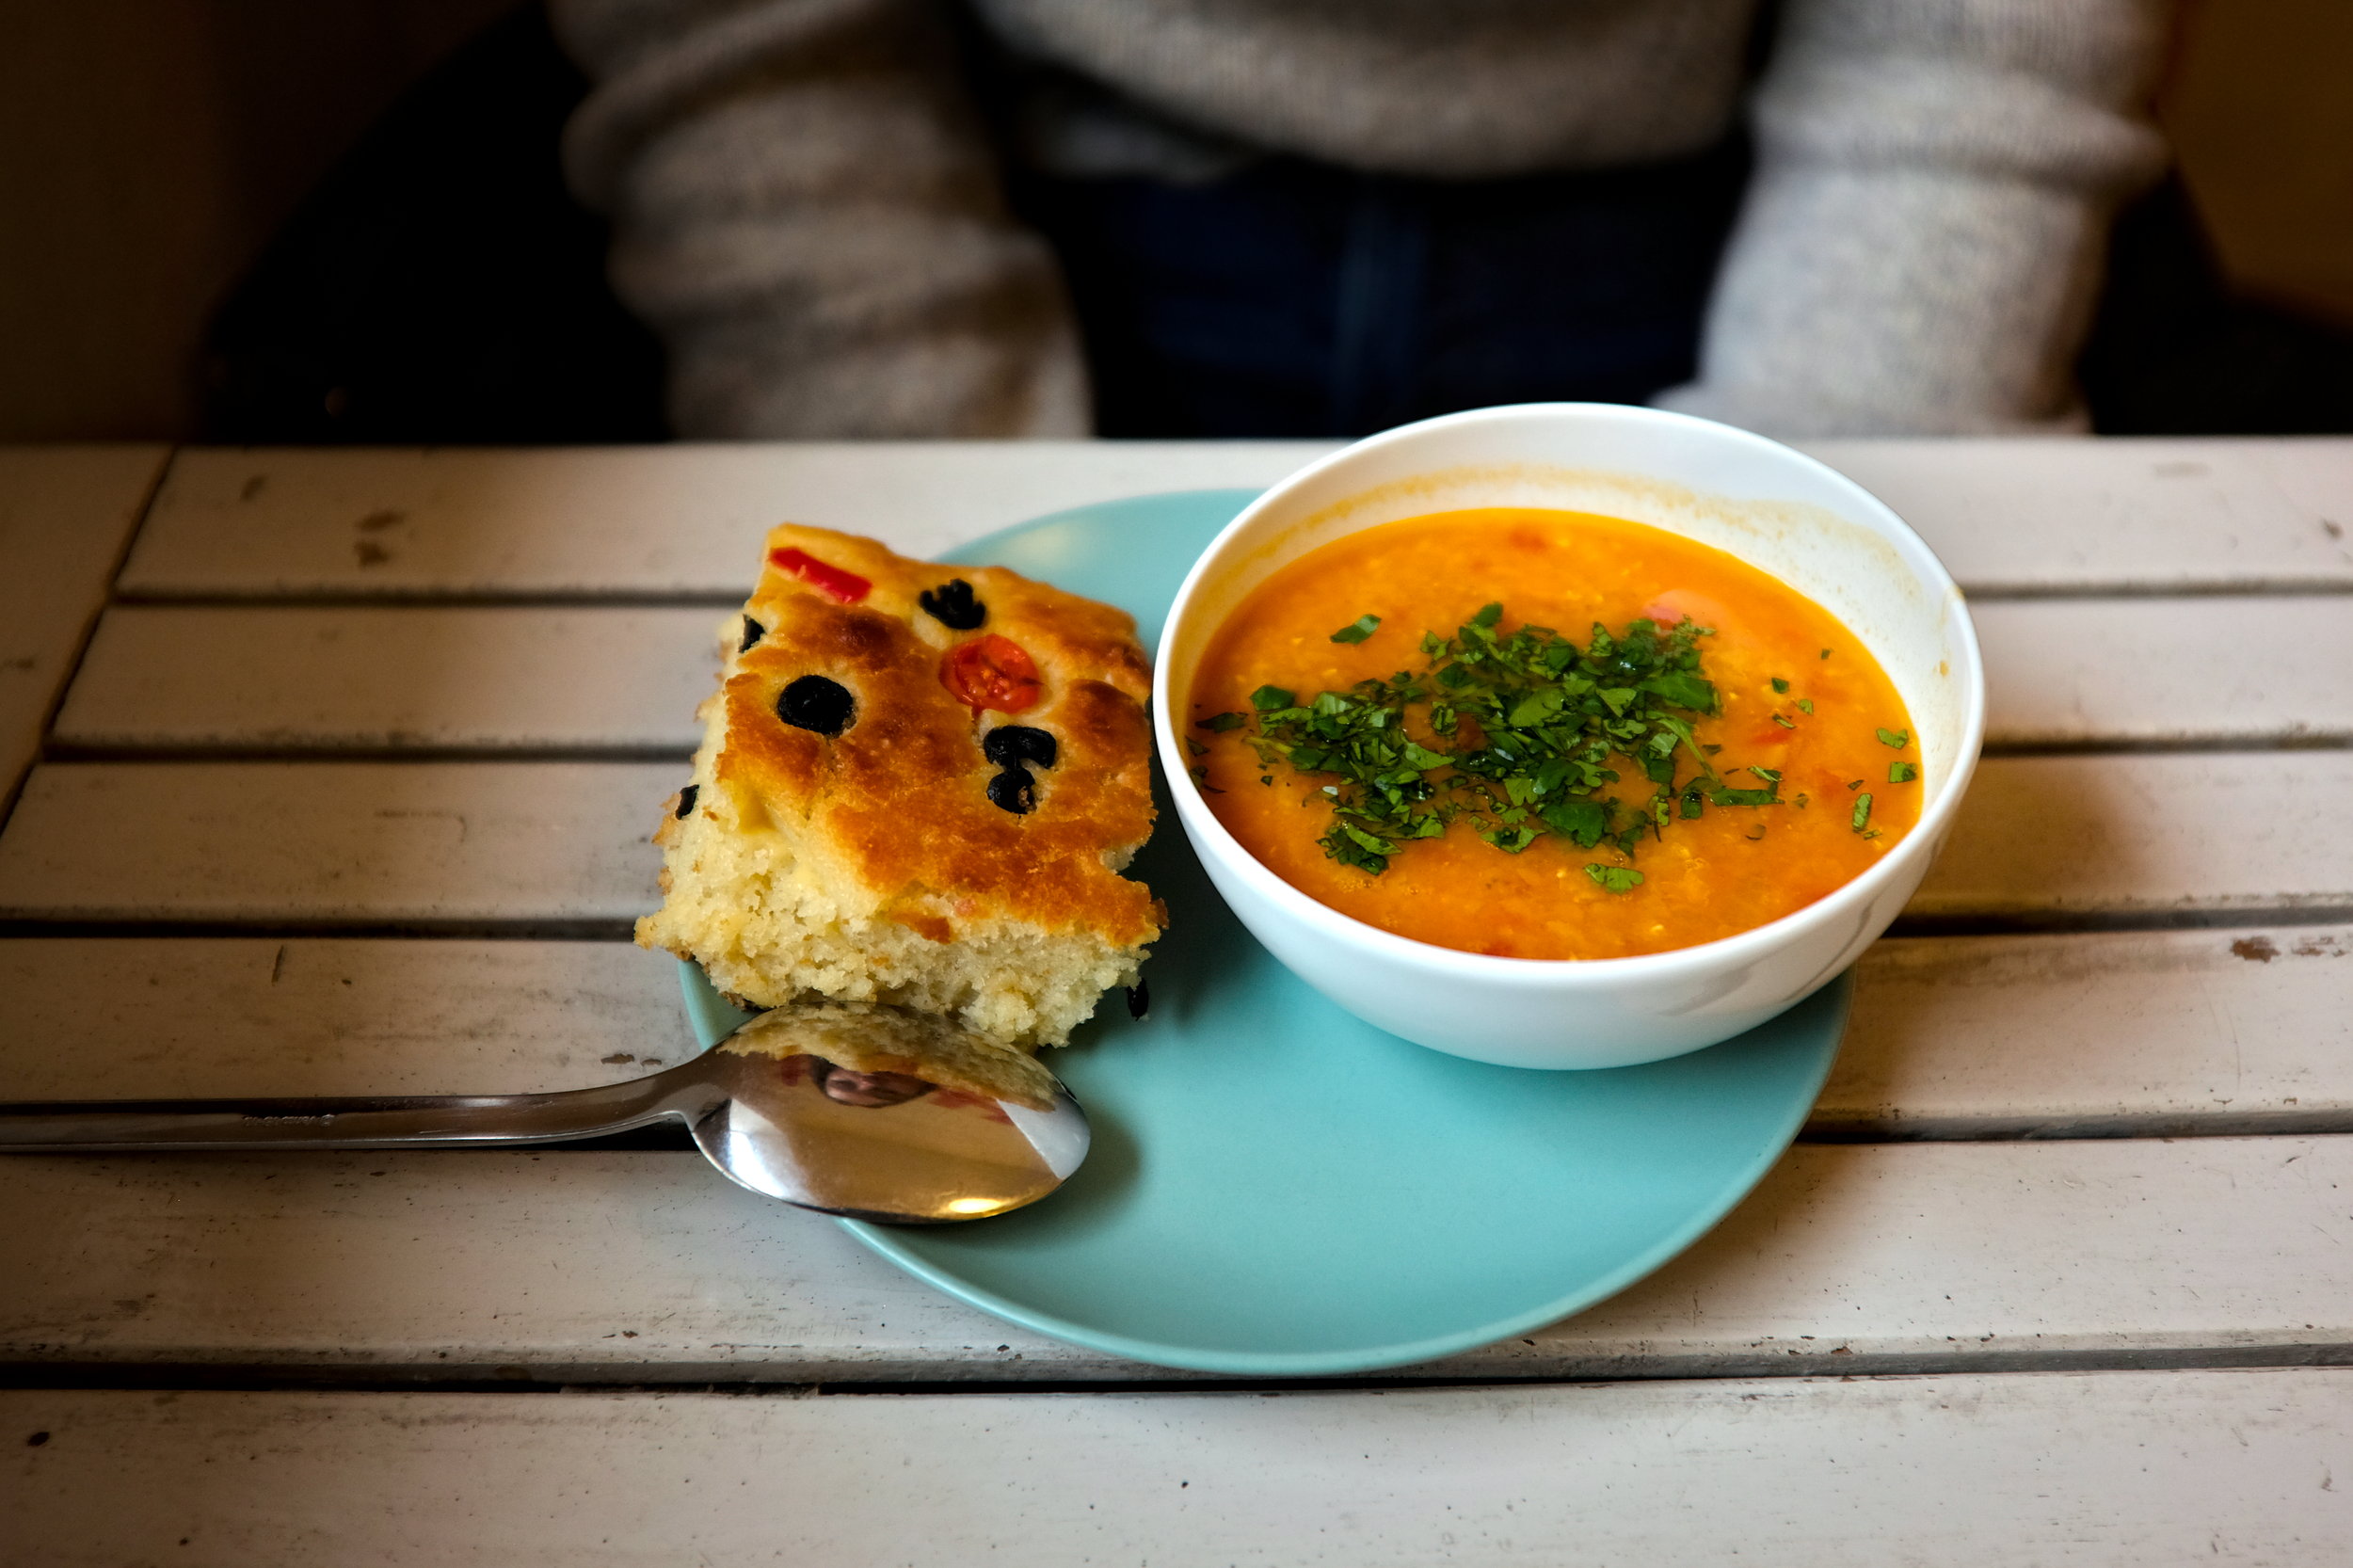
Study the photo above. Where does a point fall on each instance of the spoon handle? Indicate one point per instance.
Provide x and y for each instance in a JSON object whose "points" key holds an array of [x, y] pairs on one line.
{"points": [[398, 1121]]}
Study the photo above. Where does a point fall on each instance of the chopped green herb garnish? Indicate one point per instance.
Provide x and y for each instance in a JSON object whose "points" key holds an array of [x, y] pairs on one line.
{"points": [[1519, 736], [1901, 772], [1615, 879], [1854, 784], [1221, 723], [1197, 749], [1784, 721], [1779, 684], [1826, 653], [1801, 800], [1357, 630], [1897, 738], [1805, 705], [1862, 818]]}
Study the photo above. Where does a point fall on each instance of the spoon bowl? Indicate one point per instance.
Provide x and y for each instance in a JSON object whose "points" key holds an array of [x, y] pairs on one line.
{"points": [[885, 1146]]}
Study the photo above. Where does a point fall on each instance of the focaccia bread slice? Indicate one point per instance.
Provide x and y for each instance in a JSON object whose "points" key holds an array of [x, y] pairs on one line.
{"points": [[916, 787]]}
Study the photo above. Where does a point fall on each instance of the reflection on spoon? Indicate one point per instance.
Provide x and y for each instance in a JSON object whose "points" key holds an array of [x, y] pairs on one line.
{"points": [[877, 1143], [872, 1090]]}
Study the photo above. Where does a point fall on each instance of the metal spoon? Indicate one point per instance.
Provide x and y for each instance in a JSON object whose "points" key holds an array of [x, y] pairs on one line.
{"points": [[883, 1146]]}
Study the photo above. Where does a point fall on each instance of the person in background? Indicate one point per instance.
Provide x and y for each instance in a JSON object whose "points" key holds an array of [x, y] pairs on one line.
{"points": [[1293, 218]]}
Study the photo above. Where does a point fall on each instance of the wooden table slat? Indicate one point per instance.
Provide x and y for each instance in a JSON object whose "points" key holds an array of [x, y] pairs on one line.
{"points": [[193, 1017], [2101, 1470], [2039, 516], [2163, 671], [620, 1267], [684, 518], [2032, 515], [2046, 836], [2052, 1035], [373, 679], [2167, 671], [337, 841]]}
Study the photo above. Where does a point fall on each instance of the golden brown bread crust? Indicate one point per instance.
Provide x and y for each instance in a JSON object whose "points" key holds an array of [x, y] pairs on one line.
{"points": [[858, 853], [901, 795]]}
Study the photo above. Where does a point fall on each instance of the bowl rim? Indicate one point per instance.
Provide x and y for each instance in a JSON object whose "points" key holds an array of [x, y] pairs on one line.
{"points": [[1211, 836]]}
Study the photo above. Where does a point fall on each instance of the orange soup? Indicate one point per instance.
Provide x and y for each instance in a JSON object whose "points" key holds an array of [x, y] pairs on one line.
{"points": [[1648, 745]]}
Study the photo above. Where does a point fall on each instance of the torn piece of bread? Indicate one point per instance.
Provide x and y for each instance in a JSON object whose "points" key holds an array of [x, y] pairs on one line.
{"points": [[916, 787]]}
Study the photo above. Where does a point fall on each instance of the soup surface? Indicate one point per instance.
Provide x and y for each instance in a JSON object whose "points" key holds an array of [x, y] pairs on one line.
{"points": [[1511, 841]]}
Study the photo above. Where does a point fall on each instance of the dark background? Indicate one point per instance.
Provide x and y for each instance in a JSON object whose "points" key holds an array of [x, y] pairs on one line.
{"points": [[331, 220]]}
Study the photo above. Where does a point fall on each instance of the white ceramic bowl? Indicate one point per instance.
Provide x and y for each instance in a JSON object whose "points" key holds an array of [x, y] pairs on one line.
{"points": [[1775, 508]]}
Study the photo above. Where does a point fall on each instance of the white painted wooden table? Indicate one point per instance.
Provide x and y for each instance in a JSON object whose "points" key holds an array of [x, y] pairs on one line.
{"points": [[330, 772]]}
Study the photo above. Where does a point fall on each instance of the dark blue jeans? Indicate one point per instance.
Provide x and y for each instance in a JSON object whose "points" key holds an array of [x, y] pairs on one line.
{"points": [[1300, 300]]}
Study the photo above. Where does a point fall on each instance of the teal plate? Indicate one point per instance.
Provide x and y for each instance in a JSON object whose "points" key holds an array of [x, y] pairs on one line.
{"points": [[1277, 1189]]}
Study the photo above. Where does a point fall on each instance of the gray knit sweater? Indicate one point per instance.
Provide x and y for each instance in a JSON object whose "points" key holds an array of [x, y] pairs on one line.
{"points": [[805, 210]]}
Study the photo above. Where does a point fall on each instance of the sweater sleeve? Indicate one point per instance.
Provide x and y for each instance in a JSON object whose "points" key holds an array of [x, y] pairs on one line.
{"points": [[1924, 236], [807, 212]]}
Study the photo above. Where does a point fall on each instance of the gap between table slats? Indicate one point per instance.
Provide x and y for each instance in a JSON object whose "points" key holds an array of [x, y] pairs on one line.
{"points": [[648, 1268], [2196, 672], [2187, 1032], [2010, 515], [2040, 841]]}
